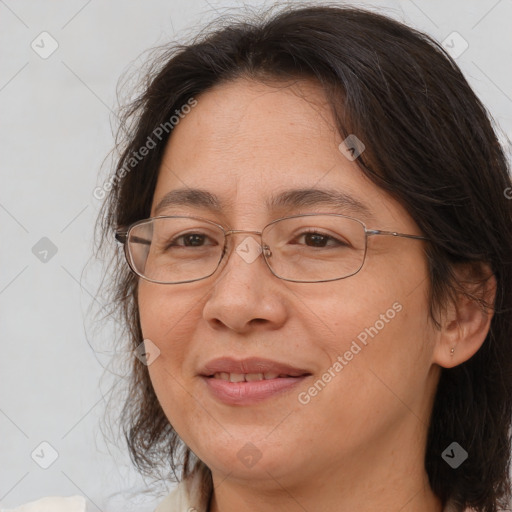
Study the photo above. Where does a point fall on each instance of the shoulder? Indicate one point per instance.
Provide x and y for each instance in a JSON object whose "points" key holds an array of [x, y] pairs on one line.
{"points": [[52, 504]]}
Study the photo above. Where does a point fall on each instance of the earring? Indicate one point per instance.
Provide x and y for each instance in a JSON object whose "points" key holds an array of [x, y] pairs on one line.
{"points": [[452, 350]]}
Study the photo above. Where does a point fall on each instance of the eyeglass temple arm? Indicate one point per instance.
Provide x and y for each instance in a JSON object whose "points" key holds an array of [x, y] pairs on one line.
{"points": [[121, 235], [394, 233]]}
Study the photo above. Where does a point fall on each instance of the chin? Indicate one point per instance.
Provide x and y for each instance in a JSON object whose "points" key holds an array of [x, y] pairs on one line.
{"points": [[242, 458]]}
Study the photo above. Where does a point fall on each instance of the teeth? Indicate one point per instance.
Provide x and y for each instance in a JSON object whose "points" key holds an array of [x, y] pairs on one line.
{"points": [[253, 376], [247, 377]]}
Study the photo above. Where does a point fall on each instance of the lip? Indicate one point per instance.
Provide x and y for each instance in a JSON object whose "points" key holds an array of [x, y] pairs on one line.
{"points": [[250, 365], [247, 393]]}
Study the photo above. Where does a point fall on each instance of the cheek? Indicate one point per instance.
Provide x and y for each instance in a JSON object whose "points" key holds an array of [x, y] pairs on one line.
{"points": [[366, 308], [166, 315], [383, 363], [168, 320], [375, 326]]}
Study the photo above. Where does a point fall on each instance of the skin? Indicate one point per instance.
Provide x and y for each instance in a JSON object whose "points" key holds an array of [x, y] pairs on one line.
{"points": [[359, 444]]}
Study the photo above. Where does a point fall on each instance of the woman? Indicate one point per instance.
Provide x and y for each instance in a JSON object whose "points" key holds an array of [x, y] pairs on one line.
{"points": [[314, 210]]}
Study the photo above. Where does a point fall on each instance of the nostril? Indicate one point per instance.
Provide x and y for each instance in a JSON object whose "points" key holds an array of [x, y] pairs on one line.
{"points": [[256, 321]]}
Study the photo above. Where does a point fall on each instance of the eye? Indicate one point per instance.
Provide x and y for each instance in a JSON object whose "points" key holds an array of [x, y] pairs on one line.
{"points": [[314, 238], [190, 240]]}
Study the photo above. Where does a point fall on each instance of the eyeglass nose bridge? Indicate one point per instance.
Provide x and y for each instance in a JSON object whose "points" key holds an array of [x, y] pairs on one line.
{"points": [[265, 248], [230, 231]]}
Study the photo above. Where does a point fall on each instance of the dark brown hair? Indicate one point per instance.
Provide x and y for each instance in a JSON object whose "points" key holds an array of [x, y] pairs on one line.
{"points": [[429, 143]]}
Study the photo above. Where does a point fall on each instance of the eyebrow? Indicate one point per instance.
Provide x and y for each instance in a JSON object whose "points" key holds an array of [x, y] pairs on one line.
{"points": [[289, 199], [189, 197], [307, 197]]}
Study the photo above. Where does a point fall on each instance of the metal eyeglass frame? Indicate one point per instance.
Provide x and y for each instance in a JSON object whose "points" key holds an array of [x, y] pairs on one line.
{"points": [[122, 233]]}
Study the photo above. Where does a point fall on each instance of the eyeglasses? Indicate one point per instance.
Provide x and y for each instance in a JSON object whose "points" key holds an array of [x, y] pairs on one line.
{"points": [[306, 248]]}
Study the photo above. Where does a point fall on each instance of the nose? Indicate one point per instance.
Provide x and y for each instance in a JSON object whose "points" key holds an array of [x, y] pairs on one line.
{"points": [[245, 295]]}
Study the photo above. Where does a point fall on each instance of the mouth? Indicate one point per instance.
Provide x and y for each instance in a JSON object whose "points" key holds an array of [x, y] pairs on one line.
{"points": [[248, 377], [249, 381]]}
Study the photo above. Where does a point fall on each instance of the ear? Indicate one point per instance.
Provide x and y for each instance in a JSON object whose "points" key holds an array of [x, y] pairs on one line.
{"points": [[465, 321]]}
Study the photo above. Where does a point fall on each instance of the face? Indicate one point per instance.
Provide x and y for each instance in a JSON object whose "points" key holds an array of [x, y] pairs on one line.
{"points": [[358, 351]]}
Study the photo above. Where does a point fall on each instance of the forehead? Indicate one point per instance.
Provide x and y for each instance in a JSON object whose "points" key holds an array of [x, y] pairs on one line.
{"points": [[246, 142], [243, 121]]}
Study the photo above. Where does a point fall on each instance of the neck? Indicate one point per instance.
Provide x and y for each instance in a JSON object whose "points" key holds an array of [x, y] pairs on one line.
{"points": [[405, 494]]}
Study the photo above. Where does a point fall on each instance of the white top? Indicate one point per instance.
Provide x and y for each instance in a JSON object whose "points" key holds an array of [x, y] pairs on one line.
{"points": [[52, 504], [185, 497]]}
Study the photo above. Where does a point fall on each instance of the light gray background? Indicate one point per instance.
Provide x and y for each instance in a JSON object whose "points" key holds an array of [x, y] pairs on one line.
{"points": [[55, 133]]}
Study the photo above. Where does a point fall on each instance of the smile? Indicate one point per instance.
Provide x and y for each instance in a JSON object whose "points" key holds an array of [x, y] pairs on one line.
{"points": [[249, 381], [247, 377]]}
